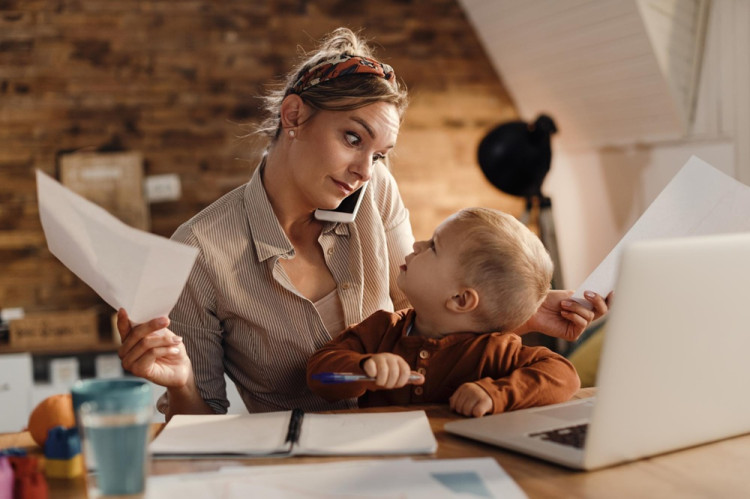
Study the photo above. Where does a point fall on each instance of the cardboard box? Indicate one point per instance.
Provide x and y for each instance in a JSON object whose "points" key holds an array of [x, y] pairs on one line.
{"points": [[108, 366], [112, 180], [54, 329], [64, 371]]}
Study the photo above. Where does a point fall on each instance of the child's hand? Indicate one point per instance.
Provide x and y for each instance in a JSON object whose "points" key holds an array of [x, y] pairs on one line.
{"points": [[389, 370], [470, 400]]}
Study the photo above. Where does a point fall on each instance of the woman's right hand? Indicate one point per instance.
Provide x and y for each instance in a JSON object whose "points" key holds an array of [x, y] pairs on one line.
{"points": [[153, 352]]}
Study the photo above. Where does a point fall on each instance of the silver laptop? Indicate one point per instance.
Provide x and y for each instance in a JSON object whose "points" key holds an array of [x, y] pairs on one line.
{"points": [[673, 371]]}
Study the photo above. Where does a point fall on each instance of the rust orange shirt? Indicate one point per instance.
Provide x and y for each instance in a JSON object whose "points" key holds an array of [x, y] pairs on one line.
{"points": [[514, 375]]}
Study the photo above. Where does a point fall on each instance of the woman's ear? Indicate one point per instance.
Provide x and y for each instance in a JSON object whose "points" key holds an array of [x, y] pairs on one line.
{"points": [[466, 300], [292, 111]]}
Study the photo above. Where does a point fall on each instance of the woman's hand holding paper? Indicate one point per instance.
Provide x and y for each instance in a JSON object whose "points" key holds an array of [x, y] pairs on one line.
{"points": [[153, 352], [562, 317]]}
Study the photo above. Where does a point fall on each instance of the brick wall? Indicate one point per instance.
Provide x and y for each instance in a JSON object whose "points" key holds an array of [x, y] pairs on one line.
{"points": [[177, 80]]}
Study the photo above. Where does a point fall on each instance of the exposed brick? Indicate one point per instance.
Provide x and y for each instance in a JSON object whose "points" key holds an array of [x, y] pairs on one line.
{"points": [[179, 82], [18, 46]]}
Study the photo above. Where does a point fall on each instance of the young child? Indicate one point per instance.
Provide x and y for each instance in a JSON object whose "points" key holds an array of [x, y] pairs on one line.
{"points": [[481, 275]]}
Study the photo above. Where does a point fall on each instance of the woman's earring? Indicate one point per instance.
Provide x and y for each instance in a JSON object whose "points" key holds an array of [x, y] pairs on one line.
{"points": [[292, 133]]}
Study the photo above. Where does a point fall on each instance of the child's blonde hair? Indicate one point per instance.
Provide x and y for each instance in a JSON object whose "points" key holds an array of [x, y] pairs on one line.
{"points": [[508, 266]]}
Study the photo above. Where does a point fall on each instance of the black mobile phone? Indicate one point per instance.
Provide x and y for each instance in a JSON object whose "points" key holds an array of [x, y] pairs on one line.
{"points": [[346, 211]]}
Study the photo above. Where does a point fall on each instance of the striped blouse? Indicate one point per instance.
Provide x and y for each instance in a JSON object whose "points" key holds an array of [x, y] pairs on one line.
{"points": [[239, 313]]}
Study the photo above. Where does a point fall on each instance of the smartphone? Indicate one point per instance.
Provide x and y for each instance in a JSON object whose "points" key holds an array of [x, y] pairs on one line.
{"points": [[346, 211]]}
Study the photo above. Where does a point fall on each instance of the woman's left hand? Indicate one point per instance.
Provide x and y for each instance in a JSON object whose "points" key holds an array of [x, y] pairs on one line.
{"points": [[561, 317]]}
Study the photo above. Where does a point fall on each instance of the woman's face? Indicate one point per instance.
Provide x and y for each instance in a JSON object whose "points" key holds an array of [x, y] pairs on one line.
{"points": [[333, 152]]}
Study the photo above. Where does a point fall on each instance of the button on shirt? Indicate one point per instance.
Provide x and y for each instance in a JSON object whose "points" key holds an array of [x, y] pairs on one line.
{"points": [[240, 313]]}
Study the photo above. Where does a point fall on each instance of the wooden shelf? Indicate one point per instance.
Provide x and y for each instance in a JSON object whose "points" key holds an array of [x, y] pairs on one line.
{"points": [[22, 239], [102, 347]]}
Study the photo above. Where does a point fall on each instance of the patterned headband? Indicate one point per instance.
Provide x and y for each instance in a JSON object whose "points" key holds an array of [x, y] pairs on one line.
{"points": [[341, 65]]}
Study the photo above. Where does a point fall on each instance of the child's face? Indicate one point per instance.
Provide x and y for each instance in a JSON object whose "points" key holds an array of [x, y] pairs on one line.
{"points": [[430, 275]]}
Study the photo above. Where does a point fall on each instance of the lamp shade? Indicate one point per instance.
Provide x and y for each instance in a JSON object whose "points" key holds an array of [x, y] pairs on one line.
{"points": [[515, 156]]}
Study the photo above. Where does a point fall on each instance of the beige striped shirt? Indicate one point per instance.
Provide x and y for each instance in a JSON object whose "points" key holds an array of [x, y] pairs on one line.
{"points": [[240, 313]]}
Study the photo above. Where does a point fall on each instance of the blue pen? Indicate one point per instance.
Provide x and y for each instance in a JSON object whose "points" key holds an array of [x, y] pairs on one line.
{"points": [[328, 378]]}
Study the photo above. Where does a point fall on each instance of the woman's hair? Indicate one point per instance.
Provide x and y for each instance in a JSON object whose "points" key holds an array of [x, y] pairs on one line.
{"points": [[508, 266], [342, 93]]}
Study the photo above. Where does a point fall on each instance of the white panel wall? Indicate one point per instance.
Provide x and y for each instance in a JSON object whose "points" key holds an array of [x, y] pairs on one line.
{"points": [[15, 391], [676, 29], [588, 63]]}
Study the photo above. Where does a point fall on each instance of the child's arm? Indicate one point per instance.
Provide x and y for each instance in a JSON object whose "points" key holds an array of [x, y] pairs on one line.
{"points": [[516, 377], [354, 351], [342, 354]]}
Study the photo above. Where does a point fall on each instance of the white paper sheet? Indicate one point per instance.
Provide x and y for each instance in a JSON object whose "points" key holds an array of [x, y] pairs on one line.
{"points": [[138, 271], [402, 479], [699, 200]]}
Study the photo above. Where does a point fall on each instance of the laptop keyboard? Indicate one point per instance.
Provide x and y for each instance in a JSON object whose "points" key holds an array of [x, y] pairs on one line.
{"points": [[574, 436]]}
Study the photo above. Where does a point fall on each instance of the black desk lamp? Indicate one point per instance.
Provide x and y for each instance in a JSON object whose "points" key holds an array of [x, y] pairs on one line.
{"points": [[515, 157]]}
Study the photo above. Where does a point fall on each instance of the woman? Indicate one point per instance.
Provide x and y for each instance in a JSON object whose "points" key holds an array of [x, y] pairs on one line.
{"points": [[272, 283]]}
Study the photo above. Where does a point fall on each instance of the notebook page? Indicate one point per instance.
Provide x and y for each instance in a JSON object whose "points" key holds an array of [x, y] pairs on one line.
{"points": [[379, 433], [248, 434]]}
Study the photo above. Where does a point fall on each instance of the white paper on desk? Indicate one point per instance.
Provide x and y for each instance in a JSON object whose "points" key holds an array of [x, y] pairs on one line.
{"points": [[138, 271], [409, 479], [699, 200]]}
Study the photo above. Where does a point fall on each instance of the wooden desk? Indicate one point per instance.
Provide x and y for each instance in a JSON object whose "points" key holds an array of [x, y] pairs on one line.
{"points": [[713, 470]]}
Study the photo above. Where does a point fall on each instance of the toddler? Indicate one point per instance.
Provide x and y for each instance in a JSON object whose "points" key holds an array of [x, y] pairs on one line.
{"points": [[481, 276]]}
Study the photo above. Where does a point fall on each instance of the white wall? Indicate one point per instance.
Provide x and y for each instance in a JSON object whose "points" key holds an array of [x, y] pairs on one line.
{"points": [[598, 194]]}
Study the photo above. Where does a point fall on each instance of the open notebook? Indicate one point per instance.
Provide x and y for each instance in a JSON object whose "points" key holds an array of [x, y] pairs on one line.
{"points": [[295, 433]]}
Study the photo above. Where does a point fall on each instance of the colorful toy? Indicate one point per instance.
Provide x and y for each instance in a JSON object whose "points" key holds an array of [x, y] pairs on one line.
{"points": [[28, 481], [6, 478], [62, 450]]}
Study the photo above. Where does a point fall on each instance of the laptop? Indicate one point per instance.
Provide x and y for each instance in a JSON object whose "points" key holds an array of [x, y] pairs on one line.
{"points": [[673, 371]]}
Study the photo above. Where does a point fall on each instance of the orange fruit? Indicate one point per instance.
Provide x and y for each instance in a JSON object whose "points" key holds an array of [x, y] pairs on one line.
{"points": [[55, 410]]}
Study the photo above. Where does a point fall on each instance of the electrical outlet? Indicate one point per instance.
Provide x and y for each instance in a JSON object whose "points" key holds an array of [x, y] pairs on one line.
{"points": [[165, 187]]}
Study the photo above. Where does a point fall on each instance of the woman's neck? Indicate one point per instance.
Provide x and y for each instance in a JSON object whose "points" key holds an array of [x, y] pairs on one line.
{"points": [[293, 216]]}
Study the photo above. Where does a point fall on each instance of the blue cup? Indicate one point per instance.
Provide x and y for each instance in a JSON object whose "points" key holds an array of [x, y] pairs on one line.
{"points": [[113, 417], [117, 393]]}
